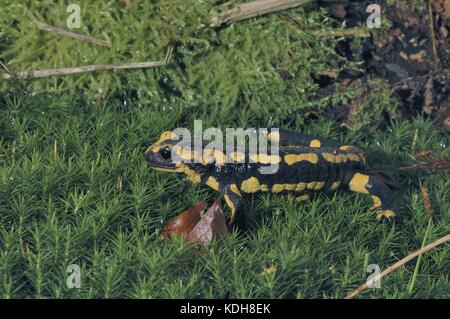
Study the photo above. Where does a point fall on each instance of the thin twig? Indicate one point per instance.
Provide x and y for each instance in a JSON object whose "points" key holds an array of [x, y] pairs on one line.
{"points": [[254, 8], [55, 150], [168, 54], [83, 69], [74, 35], [398, 264], [414, 142], [90, 68], [352, 32], [4, 66], [433, 36]]}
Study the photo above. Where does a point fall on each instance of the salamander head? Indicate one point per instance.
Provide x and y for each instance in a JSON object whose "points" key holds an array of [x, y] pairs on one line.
{"points": [[160, 155]]}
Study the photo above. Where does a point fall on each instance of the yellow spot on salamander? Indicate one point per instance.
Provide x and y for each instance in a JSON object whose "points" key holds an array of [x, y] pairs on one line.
{"points": [[232, 207], [319, 185], [311, 185], [155, 147], [328, 157], [250, 185], [291, 187], [300, 187], [277, 188], [294, 158], [167, 135], [385, 213], [353, 157], [208, 156], [358, 183], [340, 158], [335, 186], [389, 213], [354, 153], [179, 169], [213, 183], [273, 136], [315, 143], [237, 156], [376, 202], [192, 175], [235, 190], [265, 158], [302, 198], [220, 157], [187, 154]]}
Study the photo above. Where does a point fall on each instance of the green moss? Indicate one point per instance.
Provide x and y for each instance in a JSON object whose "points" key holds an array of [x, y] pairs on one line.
{"points": [[417, 5], [71, 209], [370, 107], [261, 67]]}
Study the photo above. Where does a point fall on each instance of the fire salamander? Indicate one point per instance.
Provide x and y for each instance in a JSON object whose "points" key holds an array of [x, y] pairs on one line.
{"points": [[306, 164]]}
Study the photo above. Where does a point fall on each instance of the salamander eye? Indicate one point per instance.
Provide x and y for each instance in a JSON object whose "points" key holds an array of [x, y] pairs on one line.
{"points": [[165, 154]]}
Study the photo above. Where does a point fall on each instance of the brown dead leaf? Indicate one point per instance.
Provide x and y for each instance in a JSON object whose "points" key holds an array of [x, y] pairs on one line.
{"points": [[211, 225], [185, 222], [422, 154]]}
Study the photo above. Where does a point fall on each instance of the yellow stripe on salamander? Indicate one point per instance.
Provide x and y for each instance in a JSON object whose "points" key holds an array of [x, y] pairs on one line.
{"points": [[252, 185], [232, 207], [315, 143], [265, 158], [335, 186], [295, 158], [213, 183], [358, 183]]}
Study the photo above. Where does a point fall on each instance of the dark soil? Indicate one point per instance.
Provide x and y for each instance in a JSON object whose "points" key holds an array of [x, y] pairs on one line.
{"points": [[410, 55]]}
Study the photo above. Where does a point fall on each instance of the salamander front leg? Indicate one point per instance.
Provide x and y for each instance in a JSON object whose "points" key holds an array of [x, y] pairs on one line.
{"points": [[233, 198], [383, 201], [299, 197]]}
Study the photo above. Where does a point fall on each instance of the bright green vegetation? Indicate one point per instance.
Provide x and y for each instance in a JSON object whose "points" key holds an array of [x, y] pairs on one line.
{"points": [[258, 68], [95, 203]]}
